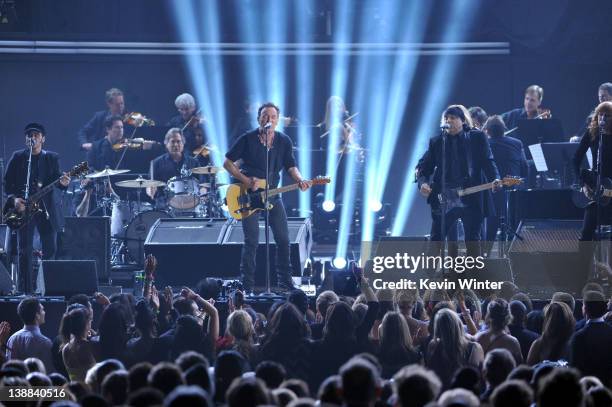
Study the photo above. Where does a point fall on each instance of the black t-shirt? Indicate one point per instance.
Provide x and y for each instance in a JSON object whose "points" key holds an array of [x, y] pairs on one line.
{"points": [[252, 152]]}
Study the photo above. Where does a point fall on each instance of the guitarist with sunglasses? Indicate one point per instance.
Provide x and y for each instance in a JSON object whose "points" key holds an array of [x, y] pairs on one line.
{"points": [[250, 149], [469, 162], [44, 170]]}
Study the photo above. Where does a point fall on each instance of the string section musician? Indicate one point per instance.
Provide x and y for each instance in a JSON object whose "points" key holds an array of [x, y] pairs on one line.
{"points": [[600, 122], [44, 170], [459, 157], [250, 148]]}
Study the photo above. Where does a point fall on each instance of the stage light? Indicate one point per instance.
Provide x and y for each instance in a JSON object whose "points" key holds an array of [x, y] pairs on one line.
{"points": [[375, 205], [328, 205], [339, 263]]}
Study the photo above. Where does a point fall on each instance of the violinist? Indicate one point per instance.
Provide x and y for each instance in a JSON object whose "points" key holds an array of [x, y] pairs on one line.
{"points": [[531, 110], [94, 129], [192, 125], [102, 154]]}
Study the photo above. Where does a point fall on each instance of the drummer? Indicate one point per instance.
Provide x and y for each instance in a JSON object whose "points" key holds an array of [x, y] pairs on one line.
{"points": [[174, 163]]}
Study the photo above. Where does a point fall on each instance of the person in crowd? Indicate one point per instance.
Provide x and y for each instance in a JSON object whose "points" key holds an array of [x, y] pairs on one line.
{"points": [[395, 349], [404, 302], [146, 346], [324, 300], [512, 393], [497, 366], [591, 352], [77, 353], [416, 386], [287, 342], [111, 343], [359, 383], [496, 335], [517, 328], [228, 366], [29, 341], [557, 329], [450, 349], [241, 334], [343, 336]]}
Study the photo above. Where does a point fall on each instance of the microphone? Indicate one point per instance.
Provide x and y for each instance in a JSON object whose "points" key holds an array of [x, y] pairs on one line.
{"points": [[267, 126], [444, 126]]}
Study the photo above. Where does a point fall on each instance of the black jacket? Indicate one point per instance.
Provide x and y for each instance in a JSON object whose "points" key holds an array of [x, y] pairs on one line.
{"points": [[48, 172], [509, 156], [591, 351], [481, 167]]}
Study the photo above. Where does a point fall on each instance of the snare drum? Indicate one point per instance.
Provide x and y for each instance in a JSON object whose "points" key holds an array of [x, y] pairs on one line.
{"points": [[123, 212], [183, 192]]}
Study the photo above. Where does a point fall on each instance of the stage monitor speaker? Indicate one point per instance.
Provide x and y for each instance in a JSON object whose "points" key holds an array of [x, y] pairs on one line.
{"points": [[548, 259], [6, 283], [190, 249], [300, 246], [67, 278], [5, 238], [87, 239]]}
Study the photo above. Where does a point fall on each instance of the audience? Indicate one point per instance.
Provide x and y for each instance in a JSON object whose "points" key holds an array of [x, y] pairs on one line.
{"points": [[365, 354]]}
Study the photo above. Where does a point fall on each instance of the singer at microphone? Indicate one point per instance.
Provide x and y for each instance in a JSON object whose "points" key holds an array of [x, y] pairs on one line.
{"points": [[600, 126], [458, 158]]}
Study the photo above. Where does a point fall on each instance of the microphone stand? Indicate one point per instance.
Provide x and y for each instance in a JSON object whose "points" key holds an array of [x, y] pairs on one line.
{"points": [[443, 200], [598, 194], [267, 214], [25, 274]]}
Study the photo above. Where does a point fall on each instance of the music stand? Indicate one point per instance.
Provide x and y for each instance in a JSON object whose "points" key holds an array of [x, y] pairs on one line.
{"points": [[540, 131], [555, 157]]}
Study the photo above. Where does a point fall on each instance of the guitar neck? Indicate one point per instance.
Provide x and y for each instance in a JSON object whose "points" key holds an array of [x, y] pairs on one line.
{"points": [[474, 189], [43, 191], [281, 190]]}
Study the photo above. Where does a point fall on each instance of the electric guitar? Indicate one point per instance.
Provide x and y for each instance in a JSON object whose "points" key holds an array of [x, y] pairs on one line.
{"points": [[16, 220], [243, 202], [452, 196], [582, 199]]}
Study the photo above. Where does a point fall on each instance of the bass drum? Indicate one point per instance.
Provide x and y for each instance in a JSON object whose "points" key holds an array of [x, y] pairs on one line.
{"points": [[137, 231]]}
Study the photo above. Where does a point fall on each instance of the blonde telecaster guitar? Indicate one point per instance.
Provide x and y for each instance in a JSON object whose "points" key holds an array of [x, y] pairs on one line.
{"points": [[243, 202]]}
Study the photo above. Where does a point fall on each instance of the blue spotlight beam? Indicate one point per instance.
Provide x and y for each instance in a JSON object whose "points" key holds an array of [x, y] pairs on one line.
{"points": [[342, 30], [440, 83], [304, 100]]}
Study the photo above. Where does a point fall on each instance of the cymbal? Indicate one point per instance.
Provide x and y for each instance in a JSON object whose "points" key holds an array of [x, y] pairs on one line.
{"points": [[107, 172], [207, 185], [206, 170], [140, 183]]}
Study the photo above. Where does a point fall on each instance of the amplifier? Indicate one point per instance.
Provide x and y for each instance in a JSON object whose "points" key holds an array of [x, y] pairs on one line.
{"points": [[549, 258], [190, 249]]}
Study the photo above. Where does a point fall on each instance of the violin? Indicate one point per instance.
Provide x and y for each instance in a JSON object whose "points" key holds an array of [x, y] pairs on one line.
{"points": [[137, 120], [194, 121], [202, 150], [134, 144], [543, 114]]}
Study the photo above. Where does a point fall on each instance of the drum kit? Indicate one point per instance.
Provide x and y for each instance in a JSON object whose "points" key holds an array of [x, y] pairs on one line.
{"points": [[132, 219]]}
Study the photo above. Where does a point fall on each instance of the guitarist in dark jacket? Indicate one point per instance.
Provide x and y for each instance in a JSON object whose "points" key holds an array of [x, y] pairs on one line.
{"points": [[469, 162], [44, 171], [601, 121], [250, 148]]}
